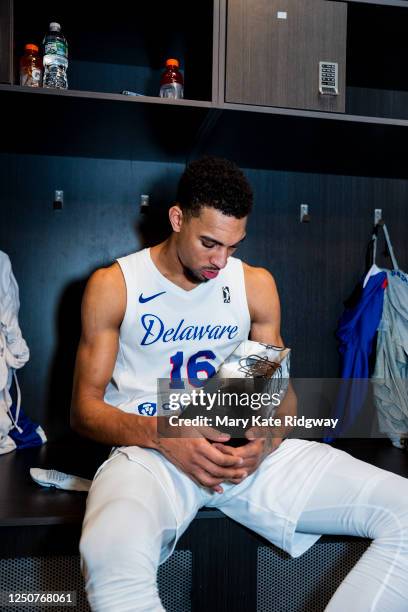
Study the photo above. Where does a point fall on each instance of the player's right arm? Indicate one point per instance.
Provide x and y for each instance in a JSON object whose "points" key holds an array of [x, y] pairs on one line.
{"points": [[103, 309]]}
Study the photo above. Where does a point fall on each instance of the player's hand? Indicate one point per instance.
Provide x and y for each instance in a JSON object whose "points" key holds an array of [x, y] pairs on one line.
{"points": [[200, 459], [254, 452]]}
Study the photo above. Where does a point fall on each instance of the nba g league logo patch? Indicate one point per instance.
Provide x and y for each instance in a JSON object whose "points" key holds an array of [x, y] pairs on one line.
{"points": [[226, 295]]}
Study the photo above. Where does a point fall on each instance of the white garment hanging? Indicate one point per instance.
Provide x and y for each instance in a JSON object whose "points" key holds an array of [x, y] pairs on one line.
{"points": [[390, 374], [14, 352]]}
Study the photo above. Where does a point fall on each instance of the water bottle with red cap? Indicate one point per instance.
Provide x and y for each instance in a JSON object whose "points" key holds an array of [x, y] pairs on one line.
{"points": [[172, 82]]}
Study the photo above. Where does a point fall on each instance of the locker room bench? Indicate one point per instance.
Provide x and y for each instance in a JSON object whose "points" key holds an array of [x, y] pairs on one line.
{"points": [[218, 565]]}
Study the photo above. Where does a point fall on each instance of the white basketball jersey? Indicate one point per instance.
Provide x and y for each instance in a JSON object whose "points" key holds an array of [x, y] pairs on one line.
{"points": [[170, 333]]}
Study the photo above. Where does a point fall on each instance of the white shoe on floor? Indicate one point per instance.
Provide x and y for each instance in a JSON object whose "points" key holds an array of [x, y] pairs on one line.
{"points": [[53, 478]]}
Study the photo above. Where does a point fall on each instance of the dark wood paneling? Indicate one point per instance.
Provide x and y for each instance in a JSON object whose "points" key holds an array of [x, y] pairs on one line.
{"points": [[377, 102], [275, 62], [6, 41], [53, 253], [315, 264]]}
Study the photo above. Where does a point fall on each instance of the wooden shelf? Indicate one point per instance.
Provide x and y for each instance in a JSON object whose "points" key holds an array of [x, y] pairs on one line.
{"points": [[150, 100], [27, 503], [289, 112], [91, 124], [24, 503], [94, 95]]}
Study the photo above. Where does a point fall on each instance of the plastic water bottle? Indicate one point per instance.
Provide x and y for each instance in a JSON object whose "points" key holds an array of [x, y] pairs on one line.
{"points": [[55, 58]]}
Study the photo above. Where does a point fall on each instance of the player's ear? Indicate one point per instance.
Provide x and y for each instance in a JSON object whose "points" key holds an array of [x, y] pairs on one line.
{"points": [[176, 217]]}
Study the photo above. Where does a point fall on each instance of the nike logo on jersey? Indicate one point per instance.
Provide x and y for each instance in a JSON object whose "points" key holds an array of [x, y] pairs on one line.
{"points": [[143, 300]]}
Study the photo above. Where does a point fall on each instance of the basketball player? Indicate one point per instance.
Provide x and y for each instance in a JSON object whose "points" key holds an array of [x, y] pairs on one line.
{"points": [[179, 307]]}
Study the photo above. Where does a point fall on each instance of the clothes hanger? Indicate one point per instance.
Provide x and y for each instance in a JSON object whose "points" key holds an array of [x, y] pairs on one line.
{"points": [[374, 269]]}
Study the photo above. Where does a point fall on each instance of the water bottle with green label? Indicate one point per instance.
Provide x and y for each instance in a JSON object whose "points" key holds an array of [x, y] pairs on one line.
{"points": [[55, 58]]}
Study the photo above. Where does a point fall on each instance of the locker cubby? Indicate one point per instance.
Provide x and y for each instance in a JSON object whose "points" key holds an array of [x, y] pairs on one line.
{"points": [[124, 46], [377, 56]]}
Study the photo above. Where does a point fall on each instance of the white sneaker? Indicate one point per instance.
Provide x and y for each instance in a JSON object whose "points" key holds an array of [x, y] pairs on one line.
{"points": [[53, 478]]}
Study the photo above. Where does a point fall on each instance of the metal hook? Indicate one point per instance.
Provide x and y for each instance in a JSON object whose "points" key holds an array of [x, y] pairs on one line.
{"points": [[378, 220], [304, 213]]}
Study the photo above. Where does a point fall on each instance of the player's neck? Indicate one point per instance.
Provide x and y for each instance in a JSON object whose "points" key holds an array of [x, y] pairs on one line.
{"points": [[166, 260]]}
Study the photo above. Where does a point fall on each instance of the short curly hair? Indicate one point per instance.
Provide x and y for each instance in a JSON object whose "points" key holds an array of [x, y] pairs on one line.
{"points": [[217, 183]]}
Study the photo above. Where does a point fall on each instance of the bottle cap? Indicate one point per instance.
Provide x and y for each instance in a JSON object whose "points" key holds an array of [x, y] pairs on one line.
{"points": [[54, 26], [172, 62], [31, 47]]}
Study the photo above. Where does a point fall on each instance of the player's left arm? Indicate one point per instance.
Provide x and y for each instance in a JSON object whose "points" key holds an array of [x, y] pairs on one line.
{"points": [[264, 309], [264, 306]]}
